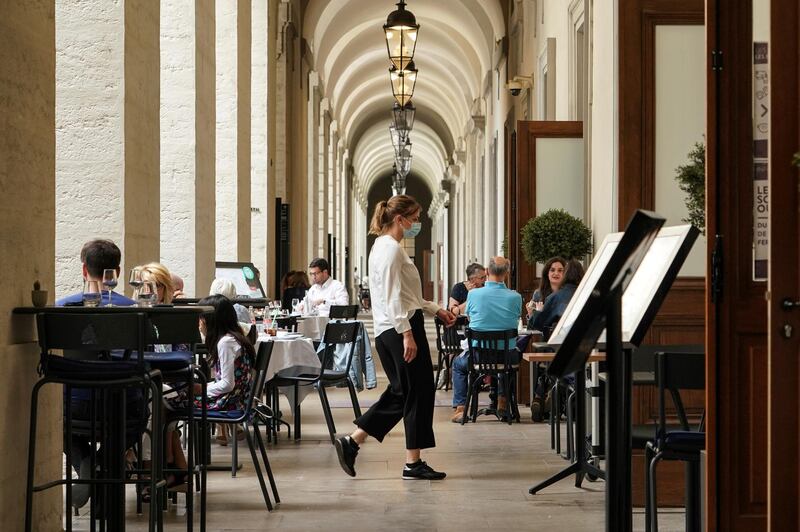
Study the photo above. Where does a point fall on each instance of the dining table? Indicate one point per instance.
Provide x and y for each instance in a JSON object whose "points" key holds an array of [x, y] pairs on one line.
{"points": [[290, 350]]}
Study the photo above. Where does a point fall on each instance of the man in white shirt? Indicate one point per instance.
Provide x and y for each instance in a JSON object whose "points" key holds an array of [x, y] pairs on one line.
{"points": [[325, 291]]}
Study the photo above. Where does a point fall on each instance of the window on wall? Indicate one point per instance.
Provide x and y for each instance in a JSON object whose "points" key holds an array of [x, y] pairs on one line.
{"points": [[578, 95], [546, 91]]}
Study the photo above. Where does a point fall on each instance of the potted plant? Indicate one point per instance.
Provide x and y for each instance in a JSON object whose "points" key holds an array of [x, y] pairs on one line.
{"points": [[691, 178], [38, 296], [555, 233]]}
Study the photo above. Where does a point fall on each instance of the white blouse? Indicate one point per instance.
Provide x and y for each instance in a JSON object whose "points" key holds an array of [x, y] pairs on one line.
{"points": [[227, 350], [395, 287]]}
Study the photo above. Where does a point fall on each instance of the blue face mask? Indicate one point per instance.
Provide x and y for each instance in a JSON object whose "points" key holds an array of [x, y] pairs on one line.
{"points": [[412, 231]]}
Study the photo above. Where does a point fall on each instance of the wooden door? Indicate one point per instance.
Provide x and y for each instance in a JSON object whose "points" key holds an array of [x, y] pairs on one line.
{"points": [[736, 310], [511, 230], [529, 133], [784, 261]]}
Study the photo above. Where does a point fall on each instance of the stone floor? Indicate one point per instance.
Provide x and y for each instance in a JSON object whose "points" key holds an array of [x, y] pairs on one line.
{"points": [[489, 466]]}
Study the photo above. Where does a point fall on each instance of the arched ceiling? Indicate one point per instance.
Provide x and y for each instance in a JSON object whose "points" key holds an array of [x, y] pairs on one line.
{"points": [[457, 39]]}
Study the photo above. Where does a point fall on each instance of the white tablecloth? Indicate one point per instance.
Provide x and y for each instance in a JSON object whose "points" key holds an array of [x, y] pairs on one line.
{"points": [[312, 326], [287, 353]]}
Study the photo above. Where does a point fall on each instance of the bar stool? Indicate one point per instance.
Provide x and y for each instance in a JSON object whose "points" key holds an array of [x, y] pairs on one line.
{"points": [[97, 333]]}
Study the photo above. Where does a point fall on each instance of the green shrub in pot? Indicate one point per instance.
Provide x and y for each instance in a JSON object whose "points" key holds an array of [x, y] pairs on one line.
{"points": [[555, 233]]}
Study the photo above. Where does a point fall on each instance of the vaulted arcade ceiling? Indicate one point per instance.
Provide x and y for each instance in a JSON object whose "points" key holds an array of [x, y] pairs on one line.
{"points": [[454, 54]]}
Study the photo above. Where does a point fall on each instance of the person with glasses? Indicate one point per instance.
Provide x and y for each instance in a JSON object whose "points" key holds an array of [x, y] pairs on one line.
{"points": [[325, 291], [402, 344], [476, 278]]}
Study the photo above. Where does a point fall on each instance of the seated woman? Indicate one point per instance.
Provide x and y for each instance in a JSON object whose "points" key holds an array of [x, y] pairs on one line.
{"points": [[293, 286], [556, 303], [552, 278], [546, 318], [160, 275], [231, 356]]}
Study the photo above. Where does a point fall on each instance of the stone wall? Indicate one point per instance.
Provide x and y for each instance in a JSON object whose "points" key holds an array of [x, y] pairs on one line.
{"points": [[27, 245]]}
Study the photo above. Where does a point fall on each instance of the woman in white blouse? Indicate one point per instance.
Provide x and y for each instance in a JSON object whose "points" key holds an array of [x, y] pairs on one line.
{"points": [[400, 339]]}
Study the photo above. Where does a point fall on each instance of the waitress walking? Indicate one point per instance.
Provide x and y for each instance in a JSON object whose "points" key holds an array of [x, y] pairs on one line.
{"points": [[401, 342]]}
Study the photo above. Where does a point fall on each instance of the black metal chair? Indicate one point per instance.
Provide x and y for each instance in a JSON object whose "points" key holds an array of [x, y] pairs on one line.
{"points": [[675, 372], [97, 334], [288, 324], [247, 420], [178, 369], [336, 333], [448, 344], [492, 353], [343, 312]]}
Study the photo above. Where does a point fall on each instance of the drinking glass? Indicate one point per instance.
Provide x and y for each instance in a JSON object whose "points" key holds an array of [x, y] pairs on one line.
{"points": [[92, 293], [110, 282], [295, 304], [147, 294], [135, 281]]}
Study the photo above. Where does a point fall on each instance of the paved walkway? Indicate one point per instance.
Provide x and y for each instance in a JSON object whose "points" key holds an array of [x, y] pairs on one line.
{"points": [[490, 467]]}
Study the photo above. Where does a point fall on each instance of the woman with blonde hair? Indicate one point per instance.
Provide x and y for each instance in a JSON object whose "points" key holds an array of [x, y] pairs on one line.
{"points": [[160, 275], [401, 342]]}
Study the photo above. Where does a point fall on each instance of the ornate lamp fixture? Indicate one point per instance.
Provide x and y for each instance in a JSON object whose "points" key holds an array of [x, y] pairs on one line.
{"points": [[403, 82], [403, 116], [404, 162], [401, 30], [398, 182]]}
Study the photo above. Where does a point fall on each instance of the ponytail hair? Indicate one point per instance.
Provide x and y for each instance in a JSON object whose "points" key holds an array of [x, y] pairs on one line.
{"points": [[386, 210]]}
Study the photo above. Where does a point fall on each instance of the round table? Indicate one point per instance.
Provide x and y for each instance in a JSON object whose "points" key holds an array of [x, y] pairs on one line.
{"points": [[288, 352]]}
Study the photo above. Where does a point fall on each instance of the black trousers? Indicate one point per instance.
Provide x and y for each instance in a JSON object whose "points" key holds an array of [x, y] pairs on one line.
{"points": [[410, 393]]}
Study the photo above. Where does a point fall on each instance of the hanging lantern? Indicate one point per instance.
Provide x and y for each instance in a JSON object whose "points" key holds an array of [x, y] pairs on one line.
{"points": [[403, 82], [403, 116], [401, 30]]}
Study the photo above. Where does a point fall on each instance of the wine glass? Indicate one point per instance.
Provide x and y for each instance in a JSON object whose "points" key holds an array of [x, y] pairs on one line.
{"points": [[295, 304], [110, 282], [92, 293], [135, 281], [147, 294]]}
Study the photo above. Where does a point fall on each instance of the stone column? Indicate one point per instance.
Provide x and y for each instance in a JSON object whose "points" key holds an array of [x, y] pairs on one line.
{"points": [[313, 164], [323, 176], [27, 245], [187, 142], [233, 130], [267, 276], [261, 225], [107, 123]]}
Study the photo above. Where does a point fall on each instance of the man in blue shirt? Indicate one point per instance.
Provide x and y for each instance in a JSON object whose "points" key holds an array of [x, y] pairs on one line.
{"points": [[491, 308], [96, 256]]}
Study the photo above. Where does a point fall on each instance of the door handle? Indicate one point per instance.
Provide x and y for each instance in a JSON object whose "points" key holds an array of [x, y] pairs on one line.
{"points": [[789, 304]]}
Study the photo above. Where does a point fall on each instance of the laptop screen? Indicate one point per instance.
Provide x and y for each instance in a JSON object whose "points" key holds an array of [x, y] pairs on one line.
{"points": [[244, 278]]}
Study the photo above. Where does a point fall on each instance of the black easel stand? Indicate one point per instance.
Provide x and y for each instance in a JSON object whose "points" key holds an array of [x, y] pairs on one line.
{"points": [[581, 466], [618, 427], [618, 421]]}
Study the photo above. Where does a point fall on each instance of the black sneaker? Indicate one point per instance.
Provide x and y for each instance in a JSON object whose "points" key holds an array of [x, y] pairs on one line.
{"points": [[421, 471], [347, 450]]}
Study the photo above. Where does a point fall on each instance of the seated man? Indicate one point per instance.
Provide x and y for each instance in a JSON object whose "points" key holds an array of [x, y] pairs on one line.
{"points": [[96, 256], [325, 290], [476, 277], [490, 308]]}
